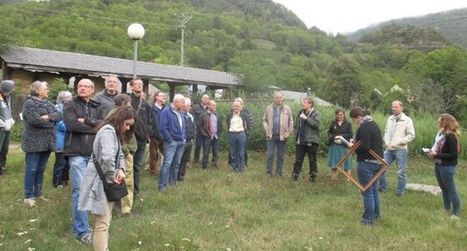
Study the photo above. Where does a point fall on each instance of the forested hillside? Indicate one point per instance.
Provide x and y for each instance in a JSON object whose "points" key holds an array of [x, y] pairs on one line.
{"points": [[451, 24], [260, 41]]}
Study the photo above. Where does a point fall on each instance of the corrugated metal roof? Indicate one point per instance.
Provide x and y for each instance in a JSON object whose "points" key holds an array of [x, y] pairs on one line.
{"points": [[34, 59]]}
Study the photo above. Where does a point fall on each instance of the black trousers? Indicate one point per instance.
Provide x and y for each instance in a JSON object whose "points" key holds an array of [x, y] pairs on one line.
{"points": [[300, 151]]}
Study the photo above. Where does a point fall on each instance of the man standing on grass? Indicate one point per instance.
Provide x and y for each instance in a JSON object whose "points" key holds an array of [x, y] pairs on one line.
{"points": [[156, 144], [143, 129], [278, 124], [82, 116], [199, 109], [190, 134], [173, 131], [307, 139], [398, 133], [210, 128]]}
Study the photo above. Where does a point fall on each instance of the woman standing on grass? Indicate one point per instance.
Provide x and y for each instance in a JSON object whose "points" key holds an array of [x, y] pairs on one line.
{"points": [[61, 167], [445, 153], [107, 152], [339, 127], [38, 140], [238, 124], [369, 135]]}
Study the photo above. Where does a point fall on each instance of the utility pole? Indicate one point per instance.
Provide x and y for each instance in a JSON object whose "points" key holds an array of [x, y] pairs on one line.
{"points": [[183, 26]]}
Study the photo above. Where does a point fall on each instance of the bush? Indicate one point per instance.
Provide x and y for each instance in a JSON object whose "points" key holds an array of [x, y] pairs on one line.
{"points": [[425, 127]]}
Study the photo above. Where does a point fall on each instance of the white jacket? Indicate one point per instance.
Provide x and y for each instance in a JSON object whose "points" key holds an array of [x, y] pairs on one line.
{"points": [[398, 133]]}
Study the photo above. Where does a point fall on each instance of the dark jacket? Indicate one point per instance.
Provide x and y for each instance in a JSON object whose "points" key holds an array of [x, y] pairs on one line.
{"points": [[245, 118], [344, 130], [39, 134], [370, 137], [190, 126], [310, 127], [169, 126], [204, 121], [197, 111], [155, 121], [449, 151], [143, 119], [80, 136]]}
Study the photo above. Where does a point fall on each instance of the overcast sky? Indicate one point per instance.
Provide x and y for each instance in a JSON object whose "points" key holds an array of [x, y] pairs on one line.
{"points": [[350, 15]]}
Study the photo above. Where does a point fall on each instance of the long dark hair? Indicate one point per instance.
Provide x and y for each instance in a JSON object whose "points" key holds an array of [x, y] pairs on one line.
{"points": [[117, 120], [357, 111]]}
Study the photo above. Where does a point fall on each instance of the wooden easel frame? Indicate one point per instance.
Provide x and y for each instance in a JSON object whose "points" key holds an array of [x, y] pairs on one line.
{"points": [[362, 187]]}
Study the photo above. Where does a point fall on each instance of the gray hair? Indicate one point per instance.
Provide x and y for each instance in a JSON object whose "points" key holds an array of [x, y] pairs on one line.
{"points": [[399, 102], [112, 76], [309, 100], [278, 93], [178, 97], [63, 97], [239, 100], [87, 80], [36, 87], [187, 101]]}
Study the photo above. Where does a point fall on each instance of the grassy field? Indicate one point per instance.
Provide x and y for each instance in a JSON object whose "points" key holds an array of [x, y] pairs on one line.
{"points": [[221, 210]]}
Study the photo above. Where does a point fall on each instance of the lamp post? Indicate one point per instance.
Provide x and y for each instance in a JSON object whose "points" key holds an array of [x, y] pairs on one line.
{"points": [[135, 32]]}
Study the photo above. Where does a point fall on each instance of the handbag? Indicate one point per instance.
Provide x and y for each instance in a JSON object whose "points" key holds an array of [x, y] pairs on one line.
{"points": [[113, 191]]}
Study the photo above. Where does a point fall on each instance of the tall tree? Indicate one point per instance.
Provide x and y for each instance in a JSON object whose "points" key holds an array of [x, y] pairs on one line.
{"points": [[344, 84]]}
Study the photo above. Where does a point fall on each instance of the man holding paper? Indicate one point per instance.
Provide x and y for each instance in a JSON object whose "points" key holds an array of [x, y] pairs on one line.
{"points": [[399, 132]]}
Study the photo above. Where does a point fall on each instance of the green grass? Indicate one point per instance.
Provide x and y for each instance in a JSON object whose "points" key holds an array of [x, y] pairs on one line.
{"points": [[221, 210]]}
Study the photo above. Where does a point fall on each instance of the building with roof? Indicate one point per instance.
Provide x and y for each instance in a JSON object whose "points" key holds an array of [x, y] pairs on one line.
{"points": [[25, 65]]}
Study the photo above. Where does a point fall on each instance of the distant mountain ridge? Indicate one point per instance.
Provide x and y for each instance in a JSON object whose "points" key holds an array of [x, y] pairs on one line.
{"points": [[451, 24]]}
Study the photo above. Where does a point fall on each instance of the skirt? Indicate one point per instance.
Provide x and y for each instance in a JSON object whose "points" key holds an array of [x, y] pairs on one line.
{"points": [[335, 154]]}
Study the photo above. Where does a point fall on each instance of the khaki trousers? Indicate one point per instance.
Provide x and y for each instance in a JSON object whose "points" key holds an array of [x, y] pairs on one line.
{"points": [[127, 201], [100, 240]]}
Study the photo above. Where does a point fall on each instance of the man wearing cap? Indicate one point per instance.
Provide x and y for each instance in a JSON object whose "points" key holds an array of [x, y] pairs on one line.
{"points": [[6, 121]]}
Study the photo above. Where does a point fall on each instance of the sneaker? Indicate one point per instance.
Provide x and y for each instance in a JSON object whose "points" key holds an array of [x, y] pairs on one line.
{"points": [[455, 217], [86, 239], [30, 202]]}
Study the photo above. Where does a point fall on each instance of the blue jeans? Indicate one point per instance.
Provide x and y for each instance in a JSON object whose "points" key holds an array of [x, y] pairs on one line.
{"points": [[80, 222], [34, 175], [138, 159], [445, 178], [237, 143], [169, 171], [390, 156], [60, 167], [366, 171], [209, 144], [273, 144]]}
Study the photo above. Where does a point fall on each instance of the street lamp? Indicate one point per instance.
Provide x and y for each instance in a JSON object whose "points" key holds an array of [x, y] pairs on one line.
{"points": [[135, 32]]}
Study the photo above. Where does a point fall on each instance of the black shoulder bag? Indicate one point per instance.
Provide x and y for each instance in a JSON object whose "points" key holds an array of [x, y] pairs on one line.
{"points": [[113, 191]]}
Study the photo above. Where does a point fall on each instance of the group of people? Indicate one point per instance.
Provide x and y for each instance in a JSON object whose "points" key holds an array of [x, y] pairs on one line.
{"points": [[110, 131], [398, 133]]}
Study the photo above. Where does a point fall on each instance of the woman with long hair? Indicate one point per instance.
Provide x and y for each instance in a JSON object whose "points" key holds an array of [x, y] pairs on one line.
{"points": [[339, 127], [107, 153], [445, 152]]}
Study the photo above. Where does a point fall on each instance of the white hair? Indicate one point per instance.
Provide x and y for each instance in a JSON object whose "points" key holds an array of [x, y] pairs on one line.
{"points": [[178, 97], [187, 101]]}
